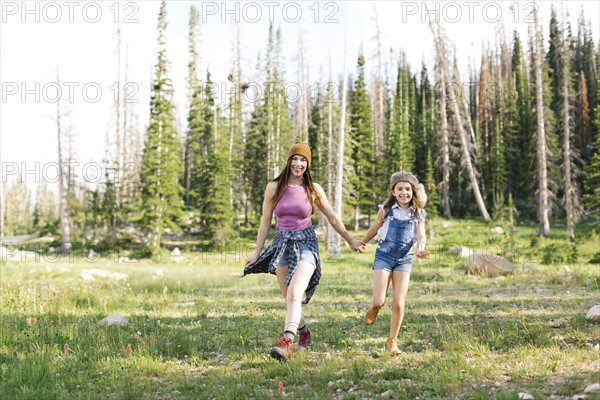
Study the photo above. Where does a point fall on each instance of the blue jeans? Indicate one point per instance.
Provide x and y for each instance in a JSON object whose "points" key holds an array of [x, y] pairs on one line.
{"points": [[305, 255], [394, 253]]}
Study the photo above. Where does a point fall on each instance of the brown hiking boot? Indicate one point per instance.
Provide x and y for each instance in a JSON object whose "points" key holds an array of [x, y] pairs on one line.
{"points": [[283, 352], [392, 346], [371, 315]]}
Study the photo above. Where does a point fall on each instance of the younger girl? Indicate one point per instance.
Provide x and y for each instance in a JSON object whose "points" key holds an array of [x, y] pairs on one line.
{"points": [[400, 222]]}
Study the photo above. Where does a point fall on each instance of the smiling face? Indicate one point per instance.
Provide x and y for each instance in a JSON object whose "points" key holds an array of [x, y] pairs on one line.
{"points": [[298, 165], [403, 194]]}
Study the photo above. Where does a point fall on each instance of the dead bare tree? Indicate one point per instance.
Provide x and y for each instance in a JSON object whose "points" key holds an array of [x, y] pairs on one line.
{"points": [[572, 201], [302, 108], [541, 156], [337, 205], [445, 133], [378, 90], [465, 145], [63, 186]]}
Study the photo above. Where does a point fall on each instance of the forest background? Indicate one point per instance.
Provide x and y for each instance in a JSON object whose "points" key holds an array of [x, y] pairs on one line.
{"points": [[505, 130]]}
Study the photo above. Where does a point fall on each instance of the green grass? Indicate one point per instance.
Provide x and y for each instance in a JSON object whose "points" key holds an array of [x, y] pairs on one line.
{"points": [[463, 336]]}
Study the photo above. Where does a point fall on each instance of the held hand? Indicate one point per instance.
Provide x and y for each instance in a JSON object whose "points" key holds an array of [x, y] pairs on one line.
{"points": [[362, 246], [357, 246], [423, 254]]}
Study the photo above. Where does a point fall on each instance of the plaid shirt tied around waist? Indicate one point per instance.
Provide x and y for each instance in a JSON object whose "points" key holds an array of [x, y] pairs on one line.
{"points": [[267, 262]]}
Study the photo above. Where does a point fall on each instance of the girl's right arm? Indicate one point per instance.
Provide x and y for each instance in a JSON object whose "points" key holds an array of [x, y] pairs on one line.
{"points": [[265, 222], [380, 219]]}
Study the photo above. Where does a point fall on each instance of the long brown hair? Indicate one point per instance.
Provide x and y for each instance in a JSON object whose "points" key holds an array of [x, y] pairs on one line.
{"points": [[283, 179]]}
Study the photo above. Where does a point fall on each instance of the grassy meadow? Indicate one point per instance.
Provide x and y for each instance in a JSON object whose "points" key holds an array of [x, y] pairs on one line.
{"points": [[198, 331]]}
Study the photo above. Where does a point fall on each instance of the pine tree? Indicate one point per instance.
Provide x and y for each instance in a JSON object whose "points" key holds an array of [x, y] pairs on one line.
{"points": [[425, 134], [193, 149], [235, 124], [497, 163], [400, 144], [433, 198], [45, 218], [362, 147], [591, 197], [217, 214], [511, 135], [521, 144], [585, 66], [269, 131], [560, 73], [316, 129], [18, 218], [161, 167]]}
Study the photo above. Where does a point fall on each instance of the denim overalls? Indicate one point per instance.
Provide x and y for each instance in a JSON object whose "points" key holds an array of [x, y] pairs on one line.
{"points": [[395, 251]]}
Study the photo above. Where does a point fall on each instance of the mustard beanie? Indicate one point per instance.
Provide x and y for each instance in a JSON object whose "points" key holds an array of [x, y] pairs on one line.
{"points": [[301, 149]]}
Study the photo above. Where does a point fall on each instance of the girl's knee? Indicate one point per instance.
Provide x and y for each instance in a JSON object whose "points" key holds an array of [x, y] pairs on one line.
{"points": [[293, 297], [378, 303], [398, 307]]}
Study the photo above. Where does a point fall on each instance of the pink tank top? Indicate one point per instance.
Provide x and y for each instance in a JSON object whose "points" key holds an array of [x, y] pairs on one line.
{"points": [[293, 209]]}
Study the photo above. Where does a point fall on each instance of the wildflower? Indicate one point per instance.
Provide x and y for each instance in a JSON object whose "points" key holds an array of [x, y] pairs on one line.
{"points": [[66, 349], [281, 389], [128, 350]]}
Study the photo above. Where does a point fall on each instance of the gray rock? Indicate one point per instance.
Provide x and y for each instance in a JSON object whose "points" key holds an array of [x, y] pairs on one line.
{"points": [[497, 230], [114, 319], [525, 396], [460, 251], [185, 304], [489, 264], [594, 314], [593, 388], [101, 273], [87, 276]]}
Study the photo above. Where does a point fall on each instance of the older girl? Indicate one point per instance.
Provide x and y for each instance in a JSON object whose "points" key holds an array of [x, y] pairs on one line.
{"points": [[294, 253]]}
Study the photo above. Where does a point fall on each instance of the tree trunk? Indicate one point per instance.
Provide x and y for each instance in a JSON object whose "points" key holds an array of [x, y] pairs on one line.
{"points": [[328, 229], [126, 151], [445, 139], [65, 220], [541, 167], [466, 154], [118, 165], [377, 101], [571, 200], [335, 244]]}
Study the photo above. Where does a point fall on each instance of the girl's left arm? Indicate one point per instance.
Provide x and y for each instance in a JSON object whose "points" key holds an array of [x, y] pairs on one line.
{"points": [[421, 241], [421, 237], [334, 219]]}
